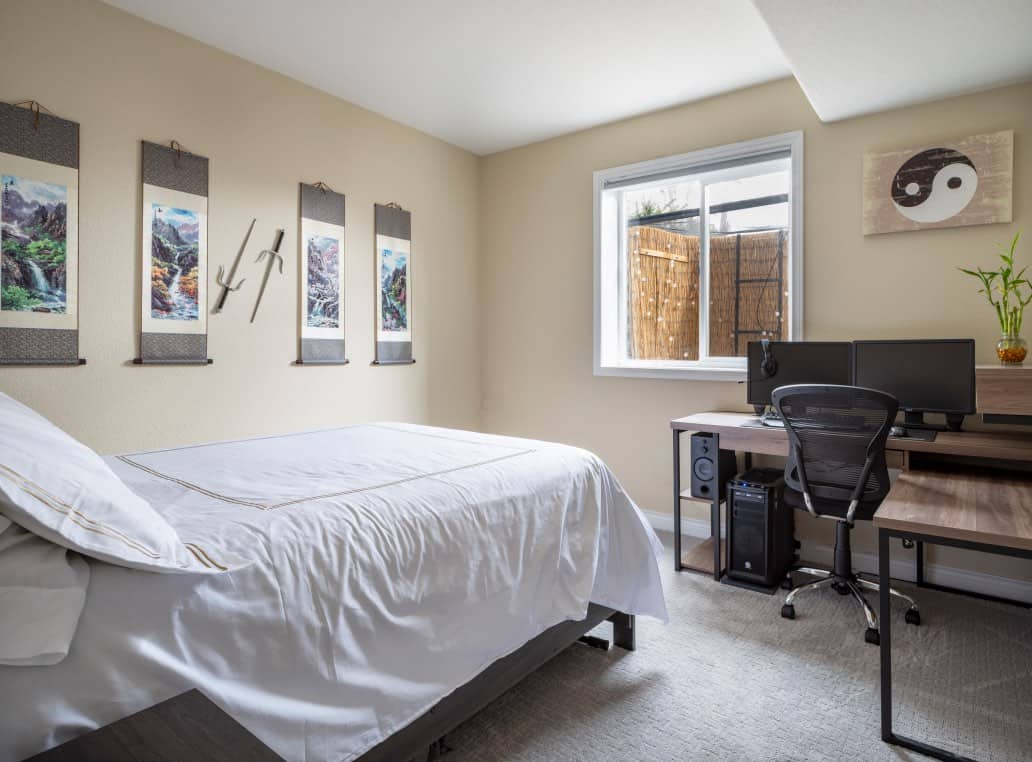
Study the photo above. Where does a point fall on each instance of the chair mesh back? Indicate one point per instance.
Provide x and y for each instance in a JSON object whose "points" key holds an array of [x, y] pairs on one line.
{"points": [[831, 431]]}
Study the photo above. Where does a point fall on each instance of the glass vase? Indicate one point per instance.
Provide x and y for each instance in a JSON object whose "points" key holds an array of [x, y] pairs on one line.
{"points": [[1011, 349]]}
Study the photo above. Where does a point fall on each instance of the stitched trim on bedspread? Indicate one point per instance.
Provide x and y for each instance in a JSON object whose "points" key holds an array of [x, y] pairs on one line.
{"points": [[208, 493], [271, 507]]}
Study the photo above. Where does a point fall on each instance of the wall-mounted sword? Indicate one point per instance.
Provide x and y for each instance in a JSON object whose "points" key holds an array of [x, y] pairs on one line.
{"points": [[227, 283], [273, 255]]}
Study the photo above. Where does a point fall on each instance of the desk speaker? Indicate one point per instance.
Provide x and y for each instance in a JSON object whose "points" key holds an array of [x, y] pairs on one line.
{"points": [[706, 459]]}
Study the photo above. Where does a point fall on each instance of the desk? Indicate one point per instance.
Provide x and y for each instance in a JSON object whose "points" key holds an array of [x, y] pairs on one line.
{"points": [[958, 506], [961, 508], [734, 433]]}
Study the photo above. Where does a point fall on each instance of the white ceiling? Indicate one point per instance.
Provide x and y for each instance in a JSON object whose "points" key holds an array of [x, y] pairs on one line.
{"points": [[488, 75], [855, 57]]}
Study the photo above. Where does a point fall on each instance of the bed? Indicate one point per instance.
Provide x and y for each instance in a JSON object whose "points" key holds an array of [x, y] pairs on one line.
{"points": [[394, 569]]}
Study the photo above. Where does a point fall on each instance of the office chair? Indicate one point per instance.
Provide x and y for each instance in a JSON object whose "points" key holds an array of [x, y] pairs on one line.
{"points": [[836, 470]]}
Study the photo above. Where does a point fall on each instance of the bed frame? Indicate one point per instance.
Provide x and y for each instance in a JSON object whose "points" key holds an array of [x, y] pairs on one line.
{"points": [[416, 739]]}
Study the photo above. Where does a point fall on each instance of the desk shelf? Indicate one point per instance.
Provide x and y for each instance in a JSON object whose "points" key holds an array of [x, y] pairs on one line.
{"points": [[699, 557], [687, 495]]}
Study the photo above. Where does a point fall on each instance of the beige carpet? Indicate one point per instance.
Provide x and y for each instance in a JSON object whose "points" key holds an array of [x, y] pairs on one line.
{"points": [[729, 679]]}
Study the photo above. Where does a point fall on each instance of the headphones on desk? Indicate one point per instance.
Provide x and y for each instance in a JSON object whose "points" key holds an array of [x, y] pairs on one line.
{"points": [[769, 366]]}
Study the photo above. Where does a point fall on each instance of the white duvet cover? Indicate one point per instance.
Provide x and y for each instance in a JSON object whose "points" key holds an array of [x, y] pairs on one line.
{"points": [[391, 564]]}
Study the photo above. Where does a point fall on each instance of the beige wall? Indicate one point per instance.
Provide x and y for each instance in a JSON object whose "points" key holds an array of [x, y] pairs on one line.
{"points": [[125, 80], [503, 260], [537, 287]]}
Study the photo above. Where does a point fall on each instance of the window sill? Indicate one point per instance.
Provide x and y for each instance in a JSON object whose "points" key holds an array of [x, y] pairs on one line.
{"points": [[697, 373]]}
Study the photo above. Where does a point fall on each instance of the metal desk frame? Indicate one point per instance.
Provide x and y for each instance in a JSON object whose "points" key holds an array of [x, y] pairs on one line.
{"points": [[715, 529], [885, 625]]}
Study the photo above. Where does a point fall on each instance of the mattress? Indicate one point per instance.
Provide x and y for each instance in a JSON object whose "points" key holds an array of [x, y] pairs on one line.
{"points": [[391, 563]]}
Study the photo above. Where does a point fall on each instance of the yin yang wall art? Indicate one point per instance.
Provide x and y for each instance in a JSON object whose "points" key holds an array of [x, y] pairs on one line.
{"points": [[943, 185]]}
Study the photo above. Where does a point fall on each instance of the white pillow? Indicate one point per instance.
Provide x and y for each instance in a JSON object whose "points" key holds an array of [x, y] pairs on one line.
{"points": [[62, 491]]}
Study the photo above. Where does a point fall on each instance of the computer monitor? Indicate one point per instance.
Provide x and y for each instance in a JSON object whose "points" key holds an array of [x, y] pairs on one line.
{"points": [[795, 362], [926, 376]]}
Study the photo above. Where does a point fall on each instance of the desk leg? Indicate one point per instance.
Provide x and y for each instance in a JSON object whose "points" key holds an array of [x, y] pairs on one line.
{"points": [[715, 509], [920, 564], [885, 627], [677, 501]]}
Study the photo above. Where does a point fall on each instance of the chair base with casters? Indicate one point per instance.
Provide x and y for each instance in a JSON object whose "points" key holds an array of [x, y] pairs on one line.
{"points": [[844, 581]]}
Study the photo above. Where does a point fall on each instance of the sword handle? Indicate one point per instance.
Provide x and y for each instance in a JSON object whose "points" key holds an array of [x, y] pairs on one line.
{"points": [[279, 240], [222, 299]]}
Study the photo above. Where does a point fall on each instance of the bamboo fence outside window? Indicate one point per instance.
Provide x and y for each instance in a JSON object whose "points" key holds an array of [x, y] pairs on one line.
{"points": [[663, 298]]}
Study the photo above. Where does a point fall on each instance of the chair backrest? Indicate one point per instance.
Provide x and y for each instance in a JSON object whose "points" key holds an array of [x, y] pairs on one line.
{"points": [[837, 438]]}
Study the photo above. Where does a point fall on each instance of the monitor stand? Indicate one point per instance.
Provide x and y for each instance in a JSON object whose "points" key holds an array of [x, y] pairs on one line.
{"points": [[771, 417], [765, 416], [914, 419], [916, 428]]}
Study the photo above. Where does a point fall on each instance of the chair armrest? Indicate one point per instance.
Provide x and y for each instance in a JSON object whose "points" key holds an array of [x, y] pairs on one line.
{"points": [[858, 491]]}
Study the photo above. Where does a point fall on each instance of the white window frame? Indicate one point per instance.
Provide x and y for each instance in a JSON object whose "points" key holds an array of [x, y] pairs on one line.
{"points": [[610, 356]]}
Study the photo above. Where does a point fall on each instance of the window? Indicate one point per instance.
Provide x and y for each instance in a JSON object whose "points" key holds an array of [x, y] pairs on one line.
{"points": [[695, 256]]}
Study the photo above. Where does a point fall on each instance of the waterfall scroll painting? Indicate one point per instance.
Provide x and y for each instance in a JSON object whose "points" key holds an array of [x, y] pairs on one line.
{"points": [[174, 257], [393, 285], [39, 238], [322, 276]]}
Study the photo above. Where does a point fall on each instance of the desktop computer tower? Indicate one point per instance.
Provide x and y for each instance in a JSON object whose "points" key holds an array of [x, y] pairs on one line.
{"points": [[760, 530]]}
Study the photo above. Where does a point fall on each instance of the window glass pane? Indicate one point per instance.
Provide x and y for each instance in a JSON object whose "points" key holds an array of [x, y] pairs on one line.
{"points": [[748, 221], [662, 271]]}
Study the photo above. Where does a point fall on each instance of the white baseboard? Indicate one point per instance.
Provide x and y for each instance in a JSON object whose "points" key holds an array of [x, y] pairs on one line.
{"points": [[899, 568], [664, 522]]}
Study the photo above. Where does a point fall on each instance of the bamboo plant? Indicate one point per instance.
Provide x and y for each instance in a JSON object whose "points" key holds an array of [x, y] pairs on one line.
{"points": [[1009, 292]]}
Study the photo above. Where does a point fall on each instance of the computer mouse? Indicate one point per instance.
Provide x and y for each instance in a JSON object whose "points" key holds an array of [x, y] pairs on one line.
{"points": [[897, 431]]}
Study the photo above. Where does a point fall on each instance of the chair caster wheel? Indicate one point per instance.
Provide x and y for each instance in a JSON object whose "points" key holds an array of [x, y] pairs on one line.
{"points": [[788, 611], [913, 616], [840, 588], [786, 583], [871, 636]]}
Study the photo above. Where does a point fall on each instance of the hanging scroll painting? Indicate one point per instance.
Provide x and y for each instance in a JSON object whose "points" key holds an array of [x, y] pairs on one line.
{"points": [[393, 293], [322, 276], [39, 238], [174, 256]]}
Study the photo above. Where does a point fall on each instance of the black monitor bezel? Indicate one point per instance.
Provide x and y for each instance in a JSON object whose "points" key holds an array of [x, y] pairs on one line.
{"points": [[749, 380], [970, 342]]}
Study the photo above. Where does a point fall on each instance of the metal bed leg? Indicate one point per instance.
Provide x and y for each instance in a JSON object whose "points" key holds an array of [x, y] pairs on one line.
{"points": [[623, 630], [677, 500]]}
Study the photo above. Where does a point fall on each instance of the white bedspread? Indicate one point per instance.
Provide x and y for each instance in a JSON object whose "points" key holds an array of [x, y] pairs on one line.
{"points": [[392, 563]]}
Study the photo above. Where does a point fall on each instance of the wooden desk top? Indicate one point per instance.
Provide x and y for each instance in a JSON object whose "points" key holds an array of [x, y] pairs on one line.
{"points": [[735, 435], [995, 509]]}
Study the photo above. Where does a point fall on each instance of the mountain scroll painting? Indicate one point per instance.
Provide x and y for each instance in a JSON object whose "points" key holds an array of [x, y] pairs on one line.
{"points": [[175, 235], [322, 276], [34, 240], [394, 285], [39, 237], [393, 290], [323, 297], [174, 256]]}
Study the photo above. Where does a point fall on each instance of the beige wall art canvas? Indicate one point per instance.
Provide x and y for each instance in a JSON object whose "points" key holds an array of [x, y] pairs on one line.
{"points": [[941, 185]]}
